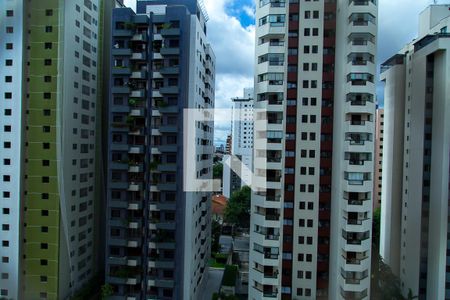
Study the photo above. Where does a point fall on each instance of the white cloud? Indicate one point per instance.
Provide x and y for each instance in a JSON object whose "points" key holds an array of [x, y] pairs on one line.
{"points": [[130, 3], [233, 45], [250, 11]]}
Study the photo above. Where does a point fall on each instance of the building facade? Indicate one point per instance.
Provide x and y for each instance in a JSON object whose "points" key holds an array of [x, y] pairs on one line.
{"points": [[11, 154], [312, 205], [241, 157], [415, 189], [378, 158], [49, 138], [157, 244]]}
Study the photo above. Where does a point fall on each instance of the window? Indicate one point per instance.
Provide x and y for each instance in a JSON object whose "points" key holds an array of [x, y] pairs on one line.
{"points": [[8, 95], [47, 62], [8, 62], [8, 78], [9, 29], [9, 46], [48, 29], [9, 13], [49, 12], [47, 45]]}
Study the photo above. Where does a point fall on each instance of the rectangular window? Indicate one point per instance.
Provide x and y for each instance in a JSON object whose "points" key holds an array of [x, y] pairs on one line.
{"points": [[9, 13]]}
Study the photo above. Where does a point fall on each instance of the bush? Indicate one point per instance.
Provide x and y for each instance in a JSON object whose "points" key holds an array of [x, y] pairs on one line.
{"points": [[229, 275]]}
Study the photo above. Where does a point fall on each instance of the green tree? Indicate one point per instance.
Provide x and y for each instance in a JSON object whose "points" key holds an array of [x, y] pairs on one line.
{"points": [[215, 236], [218, 171], [237, 211], [106, 291]]}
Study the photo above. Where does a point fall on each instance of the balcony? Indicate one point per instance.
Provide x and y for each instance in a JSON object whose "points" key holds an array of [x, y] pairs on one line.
{"points": [[357, 178], [137, 93], [136, 150], [121, 51], [169, 90], [121, 70], [355, 221], [134, 206], [169, 51], [139, 37], [361, 2], [268, 293], [135, 187], [138, 75], [355, 238], [136, 168], [170, 70], [354, 260], [170, 32], [137, 112], [120, 90], [134, 243], [138, 56], [122, 32]]}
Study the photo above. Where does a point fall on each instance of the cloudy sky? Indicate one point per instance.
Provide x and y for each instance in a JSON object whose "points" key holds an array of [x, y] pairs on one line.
{"points": [[231, 33]]}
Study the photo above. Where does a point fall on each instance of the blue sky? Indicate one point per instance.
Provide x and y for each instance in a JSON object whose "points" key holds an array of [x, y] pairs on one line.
{"points": [[243, 10], [231, 34]]}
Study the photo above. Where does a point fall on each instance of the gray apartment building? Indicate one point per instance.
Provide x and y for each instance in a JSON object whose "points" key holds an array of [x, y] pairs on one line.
{"points": [[157, 235]]}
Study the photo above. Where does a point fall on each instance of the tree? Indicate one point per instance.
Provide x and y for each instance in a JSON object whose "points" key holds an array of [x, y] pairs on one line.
{"points": [[237, 211], [215, 236], [106, 291], [218, 171]]}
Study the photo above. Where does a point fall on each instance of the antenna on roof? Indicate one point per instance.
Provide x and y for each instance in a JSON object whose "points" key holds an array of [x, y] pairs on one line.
{"points": [[202, 6]]}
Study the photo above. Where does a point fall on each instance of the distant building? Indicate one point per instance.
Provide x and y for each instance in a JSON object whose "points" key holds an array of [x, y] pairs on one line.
{"points": [[378, 160], [228, 144], [415, 223], [220, 148], [241, 145]]}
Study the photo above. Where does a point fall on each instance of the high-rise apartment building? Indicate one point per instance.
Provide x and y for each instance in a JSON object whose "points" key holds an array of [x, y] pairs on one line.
{"points": [[11, 153], [157, 233], [378, 159], [312, 207], [242, 133], [49, 116], [416, 154], [241, 157]]}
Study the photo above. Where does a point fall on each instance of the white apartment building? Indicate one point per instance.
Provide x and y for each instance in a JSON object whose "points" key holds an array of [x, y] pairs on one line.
{"points": [[241, 157], [415, 188], [313, 166], [11, 43]]}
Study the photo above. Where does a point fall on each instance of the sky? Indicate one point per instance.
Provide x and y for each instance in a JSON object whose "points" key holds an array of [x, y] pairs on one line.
{"points": [[231, 33]]}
